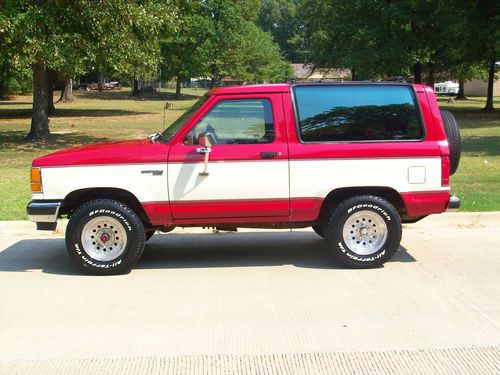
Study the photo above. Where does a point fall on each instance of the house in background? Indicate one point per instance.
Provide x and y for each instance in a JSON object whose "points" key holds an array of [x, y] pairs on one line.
{"points": [[306, 72], [478, 87]]}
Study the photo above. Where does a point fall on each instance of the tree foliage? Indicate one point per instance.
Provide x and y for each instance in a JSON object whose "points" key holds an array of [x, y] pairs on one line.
{"points": [[410, 38], [68, 36], [219, 38], [283, 20]]}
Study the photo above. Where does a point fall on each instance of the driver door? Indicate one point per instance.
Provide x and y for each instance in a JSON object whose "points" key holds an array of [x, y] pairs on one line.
{"points": [[247, 170]]}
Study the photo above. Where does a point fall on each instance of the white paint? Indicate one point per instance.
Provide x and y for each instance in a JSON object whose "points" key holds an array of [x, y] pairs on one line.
{"points": [[231, 180], [246, 180], [60, 181], [316, 178], [416, 175]]}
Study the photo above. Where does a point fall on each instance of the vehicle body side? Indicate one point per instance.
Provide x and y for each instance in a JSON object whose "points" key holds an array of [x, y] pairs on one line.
{"points": [[291, 189]]}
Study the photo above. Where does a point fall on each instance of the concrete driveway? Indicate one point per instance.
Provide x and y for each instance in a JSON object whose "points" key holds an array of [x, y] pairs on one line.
{"points": [[256, 302]]}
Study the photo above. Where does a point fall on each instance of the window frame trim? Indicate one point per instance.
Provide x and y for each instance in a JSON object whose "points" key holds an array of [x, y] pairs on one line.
{"points": [[413, 93]]}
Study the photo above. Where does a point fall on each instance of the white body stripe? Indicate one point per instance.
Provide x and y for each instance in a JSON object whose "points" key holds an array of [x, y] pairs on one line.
{"points": [[60, 181], [244, 180], [316, 178], [231, 180]]}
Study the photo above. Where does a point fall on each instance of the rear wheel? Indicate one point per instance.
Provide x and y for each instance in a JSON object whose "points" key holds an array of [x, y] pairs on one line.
{"points": [[105, 237], [364, 231]]}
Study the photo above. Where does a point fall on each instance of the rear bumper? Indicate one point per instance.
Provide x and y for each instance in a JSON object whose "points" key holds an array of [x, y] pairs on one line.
{"points": [[454, 203], [44, 213]]}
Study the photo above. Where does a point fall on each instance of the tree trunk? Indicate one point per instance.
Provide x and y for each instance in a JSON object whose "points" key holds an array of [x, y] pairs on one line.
{"points": [[67, 92], [40, 121], [178, 88], [491, 81], [353, 74], [50, 93], [135, 90], [214, 75], [417, 72], [430, 78], [461, 91]]}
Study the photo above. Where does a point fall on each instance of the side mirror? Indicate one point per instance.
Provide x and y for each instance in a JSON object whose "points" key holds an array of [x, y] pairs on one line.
{"points": [[204, 140]]}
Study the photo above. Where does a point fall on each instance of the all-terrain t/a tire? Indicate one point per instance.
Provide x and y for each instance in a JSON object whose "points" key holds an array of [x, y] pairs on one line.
{"points": [[105, 237], [453, 136], [364, 231], [149, 234], [319, 230]]}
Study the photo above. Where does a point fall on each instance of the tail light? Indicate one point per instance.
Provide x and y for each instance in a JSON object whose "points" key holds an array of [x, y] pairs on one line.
{"points": [[445, 171]]}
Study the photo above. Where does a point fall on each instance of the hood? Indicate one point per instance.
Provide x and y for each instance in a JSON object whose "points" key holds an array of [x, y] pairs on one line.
{"points": [[120, 152]]}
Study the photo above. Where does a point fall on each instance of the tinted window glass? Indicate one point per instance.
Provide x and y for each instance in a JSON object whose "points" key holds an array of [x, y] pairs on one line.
{"points": [[238, 122], [357, 113]]}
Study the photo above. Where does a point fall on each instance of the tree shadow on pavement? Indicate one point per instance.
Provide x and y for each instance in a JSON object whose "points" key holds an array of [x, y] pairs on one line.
{"points": [[205, 250]]}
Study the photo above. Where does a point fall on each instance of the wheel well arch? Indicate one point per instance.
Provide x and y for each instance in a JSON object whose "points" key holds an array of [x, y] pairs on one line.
{"points": [[76, 198], [338, 195]]}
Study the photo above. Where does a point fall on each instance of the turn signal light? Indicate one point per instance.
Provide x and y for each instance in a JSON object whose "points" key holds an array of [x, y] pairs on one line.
{"points": [[36, 180]]}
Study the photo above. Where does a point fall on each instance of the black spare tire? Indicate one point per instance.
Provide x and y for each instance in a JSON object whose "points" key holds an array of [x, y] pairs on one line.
{"points": [[453, 137]]}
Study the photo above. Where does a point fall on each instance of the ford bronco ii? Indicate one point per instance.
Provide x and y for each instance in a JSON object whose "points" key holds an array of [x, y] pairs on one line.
{"points": [[351, 160]]}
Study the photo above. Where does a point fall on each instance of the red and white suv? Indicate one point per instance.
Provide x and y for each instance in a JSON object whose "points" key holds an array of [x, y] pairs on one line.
{"points": [[352, 160]]}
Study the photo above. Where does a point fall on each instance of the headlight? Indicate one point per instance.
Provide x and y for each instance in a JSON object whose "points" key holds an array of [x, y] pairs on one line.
{"points": [[36, 180]]}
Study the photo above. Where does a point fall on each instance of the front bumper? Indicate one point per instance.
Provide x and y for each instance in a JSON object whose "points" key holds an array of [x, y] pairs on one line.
{"points": [[454, 203], [44, 214]]}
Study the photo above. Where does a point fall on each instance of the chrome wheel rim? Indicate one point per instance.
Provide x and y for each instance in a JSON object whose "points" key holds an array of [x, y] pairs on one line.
{"points": [[364, 232], [104, 238]]}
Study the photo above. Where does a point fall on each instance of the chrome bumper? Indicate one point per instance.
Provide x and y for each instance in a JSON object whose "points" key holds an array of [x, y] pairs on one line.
{"points": [[453, 203], [44, 214]]}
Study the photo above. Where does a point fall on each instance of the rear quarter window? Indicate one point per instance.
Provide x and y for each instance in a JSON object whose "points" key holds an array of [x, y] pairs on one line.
{"points": [[339, 113]]}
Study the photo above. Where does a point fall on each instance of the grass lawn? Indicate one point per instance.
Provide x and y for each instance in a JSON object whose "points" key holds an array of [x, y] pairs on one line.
{"points": [[112, 115]]}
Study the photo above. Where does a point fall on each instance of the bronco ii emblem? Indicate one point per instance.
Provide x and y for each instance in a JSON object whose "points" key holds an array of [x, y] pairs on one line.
{"points": [[155, 172]]}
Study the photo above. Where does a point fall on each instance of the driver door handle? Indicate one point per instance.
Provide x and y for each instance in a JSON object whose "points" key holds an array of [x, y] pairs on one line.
{"points": [[269, 155]]}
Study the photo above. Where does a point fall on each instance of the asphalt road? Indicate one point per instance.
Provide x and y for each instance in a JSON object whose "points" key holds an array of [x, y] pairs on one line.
{"points": [[256, 302]]}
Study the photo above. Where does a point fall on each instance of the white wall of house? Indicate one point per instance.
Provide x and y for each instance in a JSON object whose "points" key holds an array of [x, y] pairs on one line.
{"points": [[478, 87]]}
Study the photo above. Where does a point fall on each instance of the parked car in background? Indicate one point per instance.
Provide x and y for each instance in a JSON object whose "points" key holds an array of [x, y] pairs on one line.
{"points": [[446, 88]]}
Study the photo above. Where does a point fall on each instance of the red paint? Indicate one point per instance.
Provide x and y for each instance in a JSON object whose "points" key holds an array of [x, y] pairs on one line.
{"points": [[233, 211], [305, 209], [159, 213], [252, 89], [426, 202], [271, 210], [212, 209], [121, 152]]}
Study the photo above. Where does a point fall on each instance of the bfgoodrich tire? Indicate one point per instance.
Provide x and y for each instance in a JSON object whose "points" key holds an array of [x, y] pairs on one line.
{"points": [[364, 231], [453, 136], [319, 230], [105, 237]]}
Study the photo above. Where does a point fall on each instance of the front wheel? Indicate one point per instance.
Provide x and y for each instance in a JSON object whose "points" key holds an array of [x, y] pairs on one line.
{"points": [[105, 237], [364, 231]]}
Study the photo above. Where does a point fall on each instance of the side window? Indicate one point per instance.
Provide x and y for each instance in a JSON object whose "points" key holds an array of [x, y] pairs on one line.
{"points": [[357, 113], [244, 121]]}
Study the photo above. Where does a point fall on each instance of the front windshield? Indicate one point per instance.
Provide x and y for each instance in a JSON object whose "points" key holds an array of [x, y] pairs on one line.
{"points": [[169, 132]]}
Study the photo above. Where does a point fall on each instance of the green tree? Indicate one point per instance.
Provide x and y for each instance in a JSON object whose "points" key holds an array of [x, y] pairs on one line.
{"points": [[67, 35], [261, 58], [283, 19], [183, 52]]}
